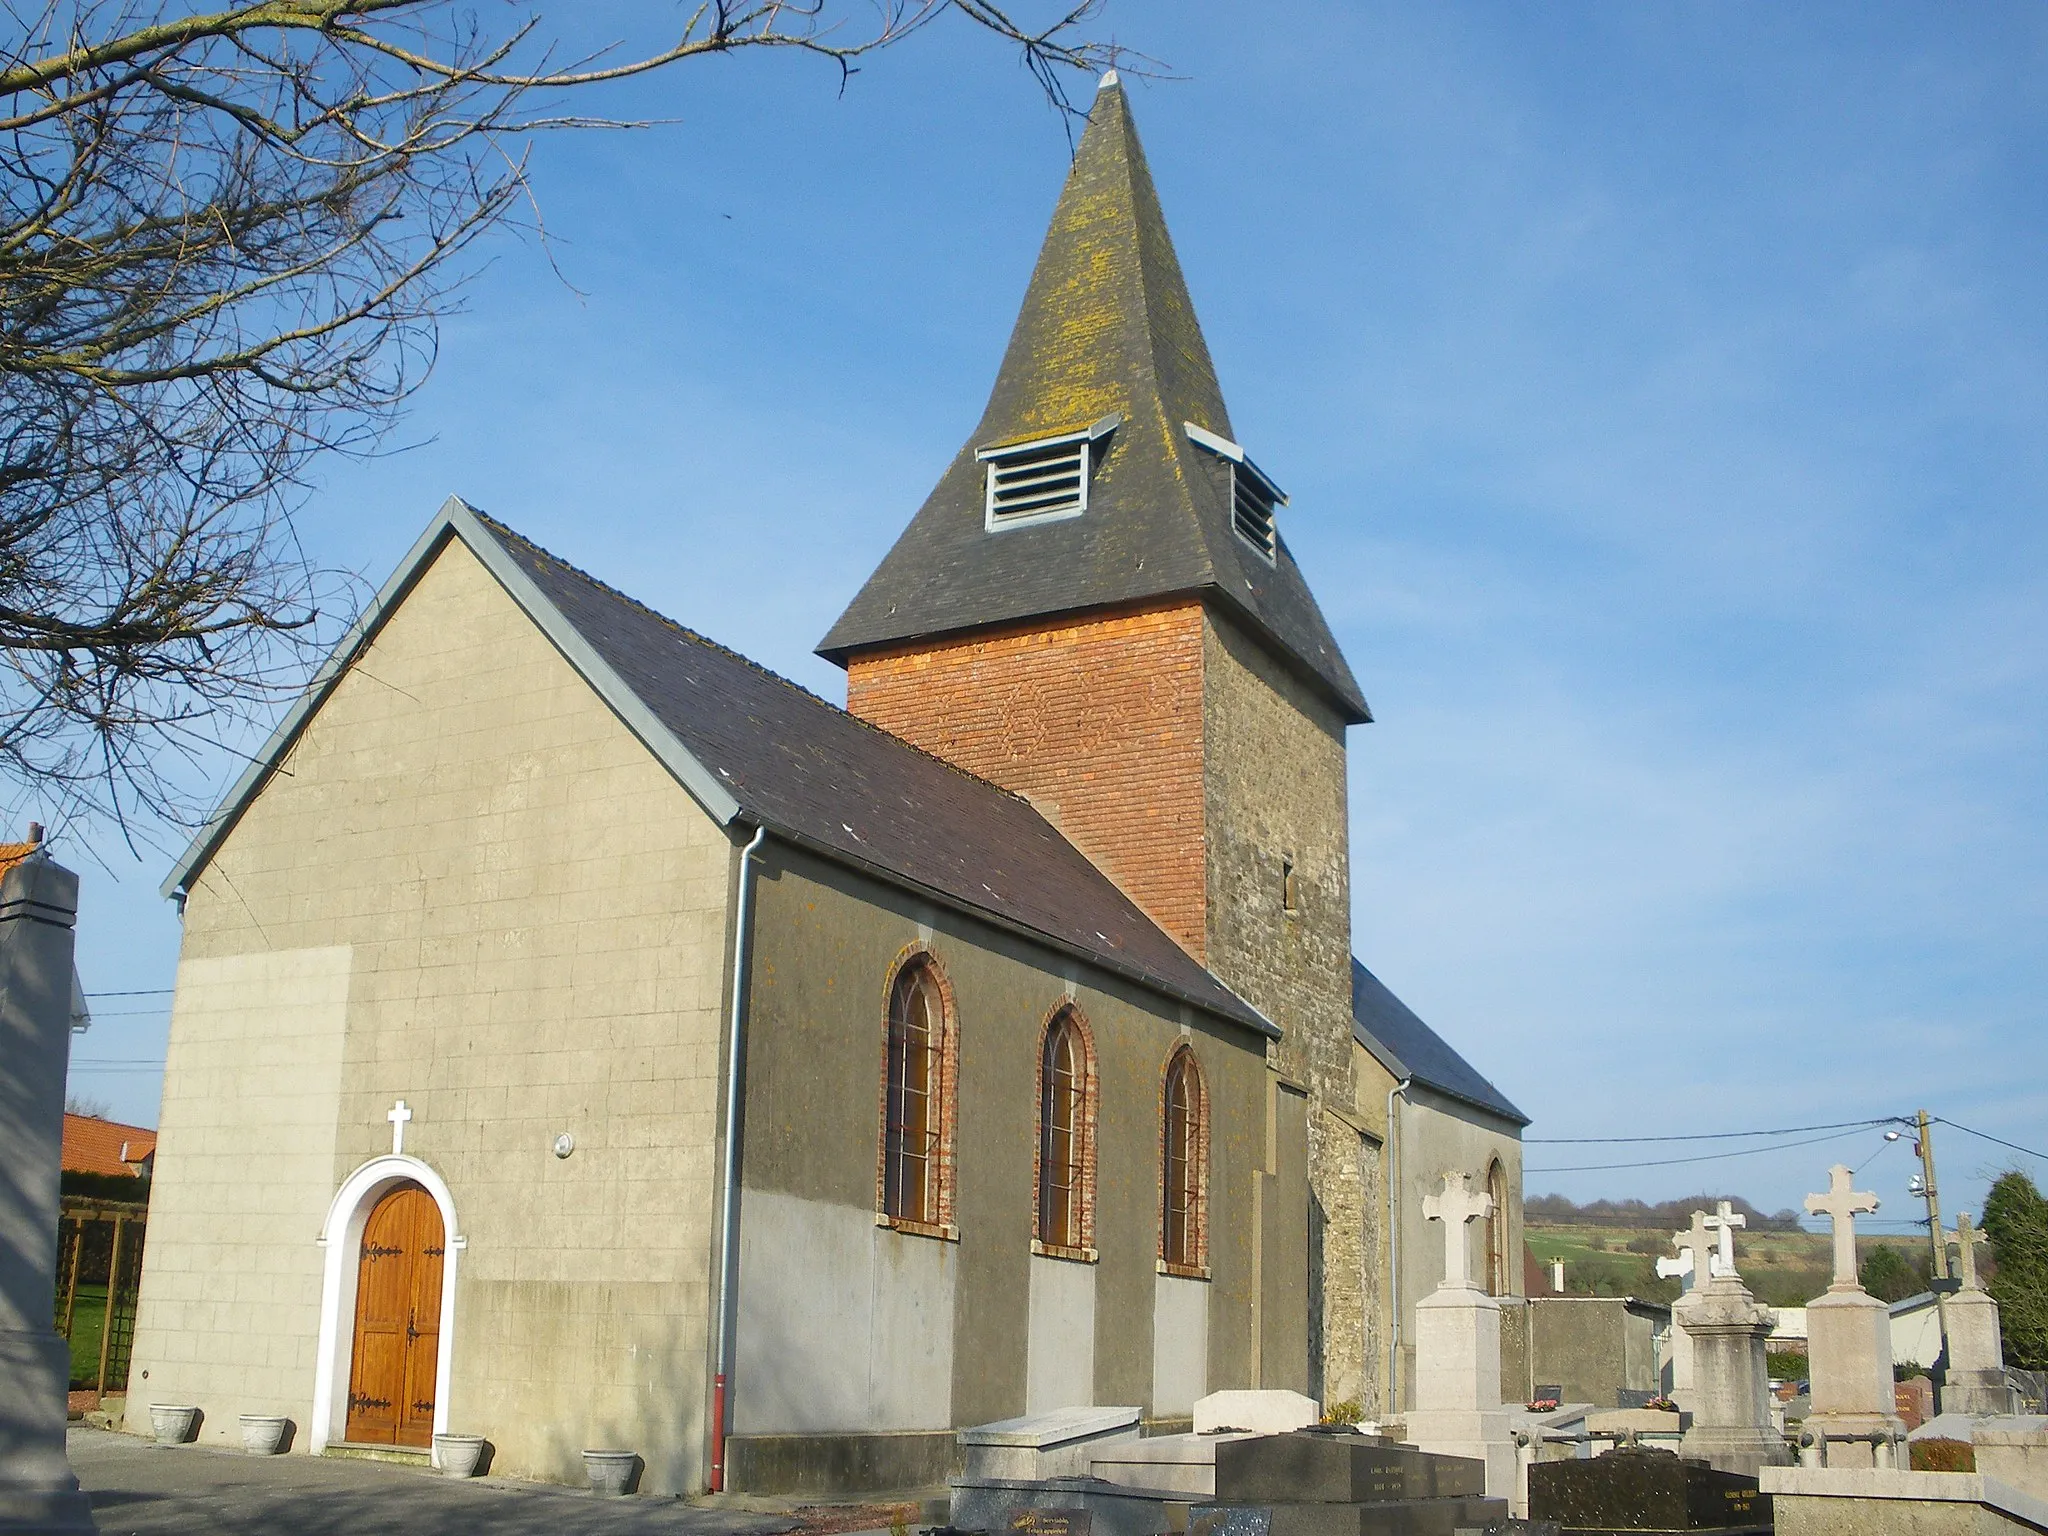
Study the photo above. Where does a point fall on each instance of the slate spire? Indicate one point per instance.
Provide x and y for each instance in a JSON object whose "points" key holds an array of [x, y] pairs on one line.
{"points": [[1107, 329]]}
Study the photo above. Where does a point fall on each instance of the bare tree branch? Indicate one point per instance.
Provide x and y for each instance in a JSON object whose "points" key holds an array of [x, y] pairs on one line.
{"points": [[227, 238]]}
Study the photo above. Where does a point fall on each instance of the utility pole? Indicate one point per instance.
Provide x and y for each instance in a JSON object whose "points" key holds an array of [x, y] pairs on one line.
{"points": [[1924, 1145]]}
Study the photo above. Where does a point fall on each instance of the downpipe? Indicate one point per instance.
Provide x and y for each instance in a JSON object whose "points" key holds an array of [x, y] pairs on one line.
{"points": [[729, 1217]]}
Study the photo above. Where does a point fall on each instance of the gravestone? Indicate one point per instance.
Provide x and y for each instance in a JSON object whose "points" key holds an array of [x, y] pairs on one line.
{"points": [[1320, 1483], [1684, 1269], [1458, 1410], [1731, 1389], [1976, 1381], [1645, 1490], [1849, 1347], [38, 905]]}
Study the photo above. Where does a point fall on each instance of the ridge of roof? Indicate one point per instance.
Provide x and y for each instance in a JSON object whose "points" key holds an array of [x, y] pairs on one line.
{"points": [[1107, 328], [1407, 1047], [751, 745], [697, 637]]}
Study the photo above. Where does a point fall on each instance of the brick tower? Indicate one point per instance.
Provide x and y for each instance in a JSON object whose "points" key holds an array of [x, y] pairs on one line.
{"points": [[1097, 609]]}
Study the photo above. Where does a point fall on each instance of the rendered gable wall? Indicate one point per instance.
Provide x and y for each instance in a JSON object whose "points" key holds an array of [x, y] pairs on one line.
{"points": [[472, 888]]}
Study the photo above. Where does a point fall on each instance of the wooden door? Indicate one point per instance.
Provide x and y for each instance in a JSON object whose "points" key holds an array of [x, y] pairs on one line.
{"points": [[398, 1321]]}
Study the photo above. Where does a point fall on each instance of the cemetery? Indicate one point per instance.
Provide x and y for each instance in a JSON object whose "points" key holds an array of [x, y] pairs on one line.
{"points": [[609, 1086]]}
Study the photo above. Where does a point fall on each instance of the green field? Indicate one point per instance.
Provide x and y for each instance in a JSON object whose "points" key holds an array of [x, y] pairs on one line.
{"points": [[1783, 1269], [88, 1321]]}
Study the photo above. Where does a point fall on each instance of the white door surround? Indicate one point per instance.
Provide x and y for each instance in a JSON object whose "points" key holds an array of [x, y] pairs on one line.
{"points": [[341, 1236]]}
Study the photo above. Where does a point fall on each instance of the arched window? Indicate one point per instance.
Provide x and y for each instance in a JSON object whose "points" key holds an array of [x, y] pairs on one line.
{"points": [[916, 1109], [1184, 1166], [1066, 1137], [1497, 1231]]}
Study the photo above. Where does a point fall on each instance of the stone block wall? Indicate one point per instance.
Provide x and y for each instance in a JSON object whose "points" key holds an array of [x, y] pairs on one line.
{"points": [[472, 888]]}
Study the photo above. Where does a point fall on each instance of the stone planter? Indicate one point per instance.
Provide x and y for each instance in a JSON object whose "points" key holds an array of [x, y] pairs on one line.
{"points": [[611, 1472], [458, 1455], [263, 1433], [173, 1422]]}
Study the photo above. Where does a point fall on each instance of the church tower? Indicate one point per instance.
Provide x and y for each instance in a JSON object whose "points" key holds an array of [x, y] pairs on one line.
{"points": [[1097, 609]]}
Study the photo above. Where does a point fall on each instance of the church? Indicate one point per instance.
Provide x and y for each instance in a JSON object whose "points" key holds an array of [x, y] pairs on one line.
{"points": [[585, 1038]]}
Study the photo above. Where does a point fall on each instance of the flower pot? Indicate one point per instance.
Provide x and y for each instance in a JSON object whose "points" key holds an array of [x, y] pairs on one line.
{"points": [[172, 1422], [611, 1472], [263, 1433], [458, 1455]]}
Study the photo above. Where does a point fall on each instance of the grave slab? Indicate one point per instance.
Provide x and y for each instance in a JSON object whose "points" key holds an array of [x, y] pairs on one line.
{"points": [[1057, 1443], [1306, 1467], [1859, 1501], [1407, 1517], [1262, 1412], [1184, 1464], [1645, 1490], [2014, 1450]]}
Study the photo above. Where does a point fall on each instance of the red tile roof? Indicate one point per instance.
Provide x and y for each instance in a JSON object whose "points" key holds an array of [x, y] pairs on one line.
{"points": [[93, 1145]]}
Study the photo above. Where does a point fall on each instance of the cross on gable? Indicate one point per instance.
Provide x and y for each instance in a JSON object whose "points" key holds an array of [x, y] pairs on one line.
{"points": [[1455, 1205], [398, 1115], [1966, 1237], [1842, 1204], [1724, 1221]]}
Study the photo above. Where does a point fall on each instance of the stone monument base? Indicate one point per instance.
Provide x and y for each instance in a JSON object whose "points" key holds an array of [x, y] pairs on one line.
{"points": [[37, 1489], [1830, 1501], [1476, 1435]]}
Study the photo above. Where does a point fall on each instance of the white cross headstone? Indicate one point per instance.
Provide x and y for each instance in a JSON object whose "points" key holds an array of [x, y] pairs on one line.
{"points": [[1842, 1204], [1455, 1205], [1966, 1237], [1724, 1221], [1680, 1268], [398, 1115]]}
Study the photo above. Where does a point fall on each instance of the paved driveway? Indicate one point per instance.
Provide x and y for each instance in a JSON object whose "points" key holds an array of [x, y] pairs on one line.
{"points": [[190, 1490]]}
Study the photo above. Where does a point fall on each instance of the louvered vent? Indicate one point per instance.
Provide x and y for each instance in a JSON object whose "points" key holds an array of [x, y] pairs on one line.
{"points": [[1044, 480], [1039, 481], [1251, 508], [1253, 495]]}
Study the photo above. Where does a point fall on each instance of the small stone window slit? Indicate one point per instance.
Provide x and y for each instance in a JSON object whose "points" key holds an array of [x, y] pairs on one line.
{"points": [[1290, 888]]}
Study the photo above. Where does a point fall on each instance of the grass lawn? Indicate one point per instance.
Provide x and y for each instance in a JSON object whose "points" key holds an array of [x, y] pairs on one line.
{"points": [[88, 1321]]}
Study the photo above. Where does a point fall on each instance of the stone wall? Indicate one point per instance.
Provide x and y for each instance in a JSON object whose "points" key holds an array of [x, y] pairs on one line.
{"points": [[1275, 787], [470, 887]]}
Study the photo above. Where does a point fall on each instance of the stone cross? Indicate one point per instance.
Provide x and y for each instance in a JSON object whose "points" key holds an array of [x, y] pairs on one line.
{"points": [[1966, 1237], [398, 1115], [1454, 1206], [1841, 1204], [1680, 1268], [1725, 1221]]}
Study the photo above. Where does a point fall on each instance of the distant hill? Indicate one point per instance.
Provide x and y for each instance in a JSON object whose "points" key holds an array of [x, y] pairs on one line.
{"points": [[1610, 1247], [1557, 1211]]}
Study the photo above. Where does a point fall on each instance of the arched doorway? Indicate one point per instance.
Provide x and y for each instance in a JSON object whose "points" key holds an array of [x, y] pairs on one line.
{"points": [[392, 1366]]}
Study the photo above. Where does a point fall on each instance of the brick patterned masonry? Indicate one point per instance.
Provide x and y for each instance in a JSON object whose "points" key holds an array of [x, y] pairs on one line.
{"points": [[1096, 720]]}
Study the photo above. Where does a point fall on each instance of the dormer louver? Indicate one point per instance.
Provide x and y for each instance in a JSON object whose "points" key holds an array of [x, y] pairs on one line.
{"points": [[1253, 495], [1043, 480]]}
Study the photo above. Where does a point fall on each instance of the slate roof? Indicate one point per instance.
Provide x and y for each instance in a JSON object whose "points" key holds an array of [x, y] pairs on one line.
{"points": [[1107, 328], [1407, 1047], [755, 747]]}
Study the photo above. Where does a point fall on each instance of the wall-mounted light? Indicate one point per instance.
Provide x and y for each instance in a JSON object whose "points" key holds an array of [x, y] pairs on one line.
{"points": [[564, 1144]]}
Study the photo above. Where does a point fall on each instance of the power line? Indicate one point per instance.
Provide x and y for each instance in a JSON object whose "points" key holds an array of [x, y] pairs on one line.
{"points": [[1982, 1136], [1705, 1157], [144, 992], [1790, 1130]]}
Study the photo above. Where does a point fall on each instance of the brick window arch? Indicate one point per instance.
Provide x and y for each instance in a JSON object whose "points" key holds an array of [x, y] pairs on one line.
{"points": [[1065, 1218], [1184, 1166], [920, 1056]]}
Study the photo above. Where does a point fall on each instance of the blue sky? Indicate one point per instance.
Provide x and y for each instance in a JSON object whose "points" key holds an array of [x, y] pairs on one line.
{"points": [[1659, 389]]}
